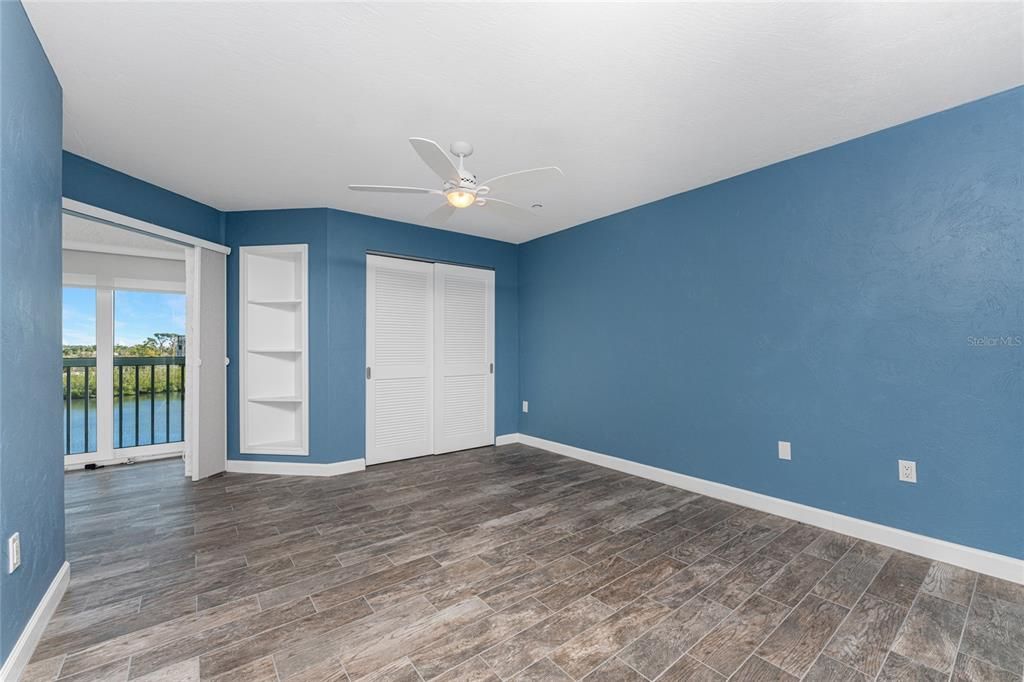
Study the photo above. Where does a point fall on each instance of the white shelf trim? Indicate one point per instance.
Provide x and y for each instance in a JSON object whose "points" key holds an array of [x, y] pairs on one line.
{"points": [[273, 401]]}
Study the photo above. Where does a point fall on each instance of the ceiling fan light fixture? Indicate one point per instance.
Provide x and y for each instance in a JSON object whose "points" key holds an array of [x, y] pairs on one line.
{"points": [[460, 198]]}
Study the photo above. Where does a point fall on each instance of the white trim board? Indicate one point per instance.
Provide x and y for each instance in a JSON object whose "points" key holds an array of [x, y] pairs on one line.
{"points": [[248, 466], [23, 649], [979, 560], [104, 216]]}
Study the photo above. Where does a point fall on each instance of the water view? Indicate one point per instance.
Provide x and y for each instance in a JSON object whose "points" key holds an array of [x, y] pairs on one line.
{"points": [[147, 434]]}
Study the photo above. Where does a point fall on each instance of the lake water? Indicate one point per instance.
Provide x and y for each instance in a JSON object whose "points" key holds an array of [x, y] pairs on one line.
{"points": [[147, 436]]}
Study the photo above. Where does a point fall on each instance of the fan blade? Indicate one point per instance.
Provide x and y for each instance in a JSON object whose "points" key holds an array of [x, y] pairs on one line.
{"points": [[524, 180], [441, 214], [397, 190], [509, 210], [434, 156]]}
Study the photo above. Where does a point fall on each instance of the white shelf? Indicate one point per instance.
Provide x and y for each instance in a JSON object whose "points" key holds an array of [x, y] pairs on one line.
{"points": [[281, 447], [274, 371], [273, 301]]}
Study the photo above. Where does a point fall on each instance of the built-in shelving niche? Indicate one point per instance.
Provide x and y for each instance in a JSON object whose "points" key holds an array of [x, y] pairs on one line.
{"points": [[273, 335]]}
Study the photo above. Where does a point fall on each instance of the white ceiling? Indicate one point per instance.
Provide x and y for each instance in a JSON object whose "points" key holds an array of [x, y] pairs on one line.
{"points": [[247, 105]]}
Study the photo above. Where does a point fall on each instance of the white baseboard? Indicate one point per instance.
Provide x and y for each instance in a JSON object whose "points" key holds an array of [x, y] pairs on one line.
{"points": [[507, 439], [989, 563], [23, 649], [248, 466]]}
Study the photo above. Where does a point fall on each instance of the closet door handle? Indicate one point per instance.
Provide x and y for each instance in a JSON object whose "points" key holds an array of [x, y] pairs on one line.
{"points": [[492, 368], [368, 373]]}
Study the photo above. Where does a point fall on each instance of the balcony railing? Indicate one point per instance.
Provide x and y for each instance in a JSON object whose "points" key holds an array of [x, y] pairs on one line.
{"points": [[149, 402]]}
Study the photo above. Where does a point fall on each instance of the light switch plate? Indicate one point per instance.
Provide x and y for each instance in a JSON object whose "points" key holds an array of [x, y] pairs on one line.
{"points": [[784, 450], [526, 406]]}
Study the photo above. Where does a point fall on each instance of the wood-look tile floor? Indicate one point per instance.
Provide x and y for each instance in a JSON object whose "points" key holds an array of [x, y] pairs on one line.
{"points": [[505, 563]]}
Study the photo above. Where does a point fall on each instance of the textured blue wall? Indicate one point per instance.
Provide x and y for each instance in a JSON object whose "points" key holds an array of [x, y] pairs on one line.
{"points": [[31, 462], [829, 300], [98, 185], [338, 242]]}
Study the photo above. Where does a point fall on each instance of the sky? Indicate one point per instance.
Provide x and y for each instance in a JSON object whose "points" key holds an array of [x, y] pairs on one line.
{"points": [[137, 315]]}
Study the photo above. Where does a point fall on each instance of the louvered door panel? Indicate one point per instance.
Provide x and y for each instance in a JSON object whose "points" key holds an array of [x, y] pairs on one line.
{"points": [[400, 356], [464, 378]]}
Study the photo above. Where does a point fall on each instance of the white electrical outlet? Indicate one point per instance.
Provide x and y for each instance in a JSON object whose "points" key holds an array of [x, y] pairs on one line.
{"points": [[908, 471], [13, 552], [784, 450], [526, 406]]}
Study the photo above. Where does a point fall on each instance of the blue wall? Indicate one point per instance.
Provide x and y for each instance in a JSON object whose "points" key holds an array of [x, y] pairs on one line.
{"points": [[829, 300], [31, 465], [98, 185], [338, 242]]}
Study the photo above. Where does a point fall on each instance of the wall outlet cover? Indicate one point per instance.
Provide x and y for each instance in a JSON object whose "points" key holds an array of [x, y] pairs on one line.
{"points": [[526, 406], [13, 552], [785, 451], [908, 471]]}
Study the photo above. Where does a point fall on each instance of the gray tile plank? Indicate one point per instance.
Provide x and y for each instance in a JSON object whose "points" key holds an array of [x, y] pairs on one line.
{"points": [[614, 670], [827, 669], [689, 669], [796, 643], [931, 632], [900, 578], [968, 669], [795, 579], [542, 671], [863, 640], [995, 632], [737, 585], [537, 641], [846, 581], [755, 669], [691, 581], [951, 583], [574, 587], [901, 669], [655, 650], [629, 587], [587, 650], [475, 638], [729, 644]]}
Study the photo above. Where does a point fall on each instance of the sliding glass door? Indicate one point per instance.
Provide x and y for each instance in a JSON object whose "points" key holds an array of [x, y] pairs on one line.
{"points": [[149, 368], [124, 373], [79, 336]]}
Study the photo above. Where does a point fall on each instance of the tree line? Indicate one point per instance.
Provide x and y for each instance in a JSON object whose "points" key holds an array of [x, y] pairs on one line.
{"points": [[151, 378]]}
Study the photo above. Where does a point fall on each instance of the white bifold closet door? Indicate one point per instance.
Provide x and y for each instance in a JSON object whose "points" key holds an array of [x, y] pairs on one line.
{"points": [[429, 358]]}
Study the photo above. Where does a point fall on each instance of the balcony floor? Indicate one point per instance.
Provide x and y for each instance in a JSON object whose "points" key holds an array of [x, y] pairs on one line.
{"points": [[494, 564]]}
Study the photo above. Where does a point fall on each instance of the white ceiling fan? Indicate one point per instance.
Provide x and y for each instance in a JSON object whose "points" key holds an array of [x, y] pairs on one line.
{"points": [[460, 187]]}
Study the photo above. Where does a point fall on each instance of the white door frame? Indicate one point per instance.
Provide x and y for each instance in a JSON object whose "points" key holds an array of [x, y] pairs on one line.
{"points": [[104, 386]]}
